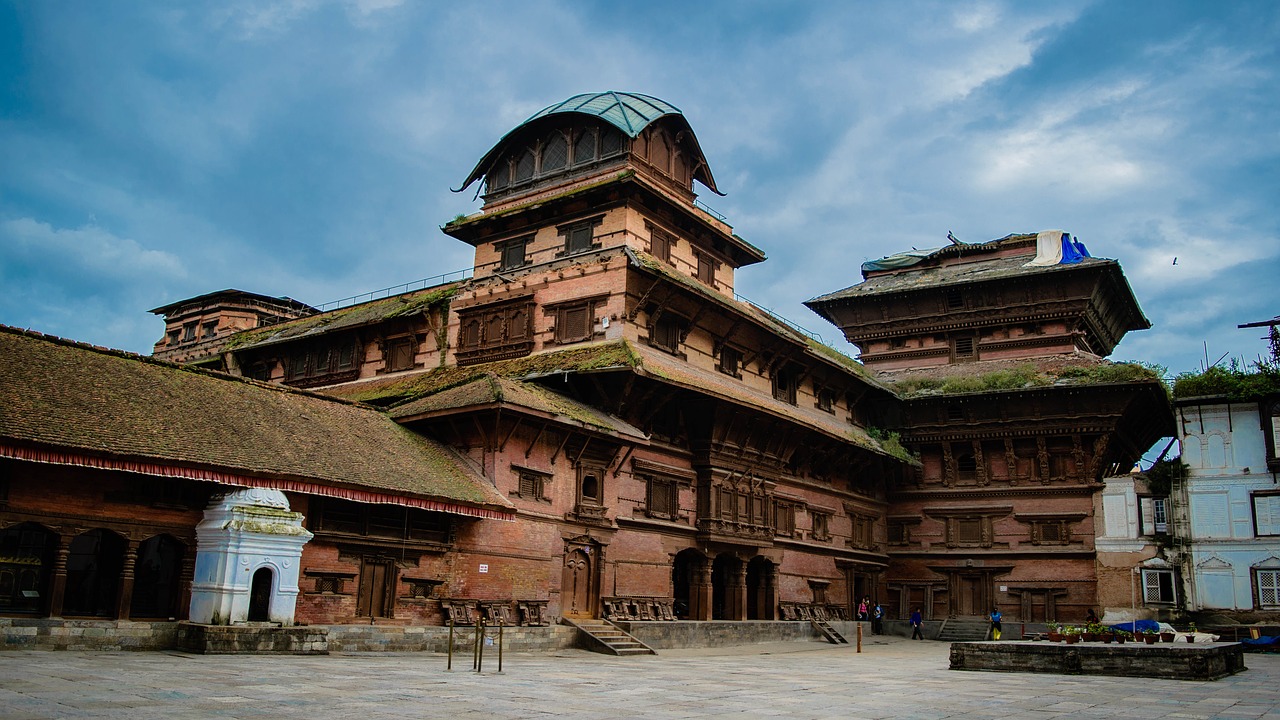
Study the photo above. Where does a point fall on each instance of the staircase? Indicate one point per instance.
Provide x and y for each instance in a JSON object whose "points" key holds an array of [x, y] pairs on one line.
{"points": [[964, 629], [828, 632], [603, 636]]}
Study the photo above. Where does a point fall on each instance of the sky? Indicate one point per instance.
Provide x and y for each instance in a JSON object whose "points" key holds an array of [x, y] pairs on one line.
{"points": [[151, 152]]}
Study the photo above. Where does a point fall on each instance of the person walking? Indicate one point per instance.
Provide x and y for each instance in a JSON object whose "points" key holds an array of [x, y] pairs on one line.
{"points": [[996, 617], [916, 621], [862, 610], [877, 614]]}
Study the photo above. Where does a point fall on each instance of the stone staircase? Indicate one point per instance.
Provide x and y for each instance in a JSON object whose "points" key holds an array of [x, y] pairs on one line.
{"points": [[603, 636], [824, 628], [964, 629]]}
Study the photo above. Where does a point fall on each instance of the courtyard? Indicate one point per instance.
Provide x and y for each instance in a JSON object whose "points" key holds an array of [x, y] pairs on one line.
{"points": [[892, 678]]}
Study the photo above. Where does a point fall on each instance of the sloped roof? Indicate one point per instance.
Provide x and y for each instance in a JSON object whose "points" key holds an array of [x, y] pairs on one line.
{"points": [[629, 112], [94, 402], [1003, 375], [492, 389], [354, 316]]}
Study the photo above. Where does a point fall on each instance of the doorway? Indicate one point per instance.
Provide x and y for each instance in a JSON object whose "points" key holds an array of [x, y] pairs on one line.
{"points": [[576, 584], [260, 595]]}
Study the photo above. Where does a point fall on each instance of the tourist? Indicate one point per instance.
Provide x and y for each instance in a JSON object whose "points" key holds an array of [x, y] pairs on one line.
{"points": [[915, 624], [862, 609], [877, 613], [995, 623], [1091, 616]]}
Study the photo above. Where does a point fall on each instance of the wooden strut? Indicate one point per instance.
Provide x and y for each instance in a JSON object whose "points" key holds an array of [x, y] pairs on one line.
{"points": [[586, 443], [618, 468], [516, 426], [563, 442], [534, 443]]}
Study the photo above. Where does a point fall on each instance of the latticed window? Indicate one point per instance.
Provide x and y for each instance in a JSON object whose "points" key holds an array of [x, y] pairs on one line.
{"points": [[784, 518], [584, 146], [968, 531], [1157, 587], [513, 254], [495, 332], [524, 166], [730, 361], [666, 332], [963, 347], [610, 141], [575, 323], [555, 152], [331, 585], [500, 175], [662, 498], [1268, 582], [532, 486]]}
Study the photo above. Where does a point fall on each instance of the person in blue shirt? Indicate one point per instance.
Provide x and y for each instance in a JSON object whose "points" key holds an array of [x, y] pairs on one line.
{"points": [[915, 624], [996, 617], [877, 614]]}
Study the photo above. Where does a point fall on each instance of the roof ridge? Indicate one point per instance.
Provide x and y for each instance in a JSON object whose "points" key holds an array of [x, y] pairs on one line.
{"points": [[179, 367]]}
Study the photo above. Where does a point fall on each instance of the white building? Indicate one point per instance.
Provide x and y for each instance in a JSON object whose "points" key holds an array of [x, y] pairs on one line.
{"points": [[1231, 500]]}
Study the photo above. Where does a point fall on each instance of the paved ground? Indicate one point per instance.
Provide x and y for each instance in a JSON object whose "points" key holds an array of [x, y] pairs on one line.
{"points": [[891, 678]]}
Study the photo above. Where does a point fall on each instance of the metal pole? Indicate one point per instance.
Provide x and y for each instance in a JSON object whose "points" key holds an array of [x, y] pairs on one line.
{"points": [[501, 625], [449, 666], [859, 637], [475, 644], [480, 657]]}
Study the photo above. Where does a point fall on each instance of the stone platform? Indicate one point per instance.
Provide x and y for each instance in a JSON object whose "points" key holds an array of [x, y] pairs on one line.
{"points": [[1173, 661], [251, 639]]}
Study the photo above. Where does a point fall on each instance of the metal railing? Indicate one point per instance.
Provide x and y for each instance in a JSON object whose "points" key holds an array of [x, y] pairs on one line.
{"points": [[387, 292], [794, 326], [708, 210]]}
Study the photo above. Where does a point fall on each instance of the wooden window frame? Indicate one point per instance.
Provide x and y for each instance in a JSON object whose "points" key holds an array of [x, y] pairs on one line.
{"points": [[668, 324], [786, 385], [784, 518], [729, 361], [660, 243], [508, 248], [819, 526], [398, 353], [573, 233], [705, 271], [1270, 528], [531, 484], [561, 311], [1148, 506], [1151, 580], [662, 497], [513, 337]]}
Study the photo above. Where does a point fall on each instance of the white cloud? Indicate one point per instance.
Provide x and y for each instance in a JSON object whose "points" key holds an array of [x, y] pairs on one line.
{"points": [[89, 249]]}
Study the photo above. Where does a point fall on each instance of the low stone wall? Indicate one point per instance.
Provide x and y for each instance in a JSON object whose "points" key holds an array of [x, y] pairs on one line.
{"points": [[721, 633], [49, 634], [251, 639], [434, 638], [1173, 661]]}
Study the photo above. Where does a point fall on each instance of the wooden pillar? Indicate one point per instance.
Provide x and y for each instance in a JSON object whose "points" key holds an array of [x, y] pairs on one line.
{"points": [[124, 599], [700, 590], [58, 584], [769, 605], [185, 580], [735, 595]]}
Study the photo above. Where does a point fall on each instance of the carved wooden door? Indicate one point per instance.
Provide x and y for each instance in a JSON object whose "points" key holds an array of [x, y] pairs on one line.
{"points": [[970, 600], [575, 586]]}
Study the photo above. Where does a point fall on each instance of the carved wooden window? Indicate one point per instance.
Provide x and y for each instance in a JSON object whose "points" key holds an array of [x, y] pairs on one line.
{"points": [[730, 362], [826, 401], [861, 532], [532, 485], [495, 332], [591, 485], [784, 518], [318, 364], [579, 237], [785, 384], [575, 322], [189, 332], [706, 269], [968, 531], [819, 523], [499, 176], [1153, 515], [1157, 587], [611, 141], [398, 354], [662, 498], [963, 347], [1050, 532], [966, 464], [210, 329], [899, 532], [513, 253], [667, 332], [660, 244], [555, 152], [955, 300]]}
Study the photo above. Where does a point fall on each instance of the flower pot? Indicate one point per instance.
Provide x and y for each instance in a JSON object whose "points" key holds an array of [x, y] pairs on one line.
{"points": [[1089, 637], [1106, 638], [1166, 637], [1191, 638], [1054, 637], [1119, 640], [1072, 639], [1151, 639]]}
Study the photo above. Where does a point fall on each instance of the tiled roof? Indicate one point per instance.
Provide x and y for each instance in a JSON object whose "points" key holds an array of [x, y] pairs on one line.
{"points": [[1013, 374], [491, 389], [345, 318], [72, 397], [932, 276], [388, 391]]}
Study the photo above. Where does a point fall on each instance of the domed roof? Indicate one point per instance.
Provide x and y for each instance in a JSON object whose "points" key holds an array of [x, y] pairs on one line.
{"points": [[629, 112]]}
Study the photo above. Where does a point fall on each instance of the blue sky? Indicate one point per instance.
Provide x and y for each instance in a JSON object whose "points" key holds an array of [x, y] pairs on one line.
{"points": [[155, 151]]}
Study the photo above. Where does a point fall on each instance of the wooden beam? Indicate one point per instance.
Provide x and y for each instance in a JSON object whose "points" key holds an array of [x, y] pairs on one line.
{"points": [[514, 427], [533, 443]]}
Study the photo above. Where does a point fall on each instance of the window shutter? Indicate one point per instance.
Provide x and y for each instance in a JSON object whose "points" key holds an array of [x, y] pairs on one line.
{"points": [[1147, 514], [1268, 588], [576, 323]]}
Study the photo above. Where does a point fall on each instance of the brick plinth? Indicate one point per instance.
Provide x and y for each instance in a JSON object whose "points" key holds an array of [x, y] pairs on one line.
{"points": [[1173, 661]]}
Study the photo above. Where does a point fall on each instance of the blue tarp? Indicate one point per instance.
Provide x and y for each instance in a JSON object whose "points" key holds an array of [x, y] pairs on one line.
{"points": [[1146, 626], [1073, 251]]}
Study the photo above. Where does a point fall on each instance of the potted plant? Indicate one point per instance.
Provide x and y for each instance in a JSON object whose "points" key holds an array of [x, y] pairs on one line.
{"points": [[1072, 635], [1122, 636], [1151, 638], [1166, 636], [1054, 631], [1191, 633]]}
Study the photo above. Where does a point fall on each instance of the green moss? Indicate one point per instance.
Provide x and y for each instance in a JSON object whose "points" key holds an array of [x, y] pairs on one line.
{"points": [[1230, 383], [1027, 376], [891, 442]]}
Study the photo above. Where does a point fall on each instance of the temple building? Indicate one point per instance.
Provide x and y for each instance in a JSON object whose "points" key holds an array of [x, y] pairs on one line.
{"points": [[590, 423]]}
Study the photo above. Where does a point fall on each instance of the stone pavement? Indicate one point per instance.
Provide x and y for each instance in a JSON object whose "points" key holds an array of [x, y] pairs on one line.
{"points": [[892, 678]]}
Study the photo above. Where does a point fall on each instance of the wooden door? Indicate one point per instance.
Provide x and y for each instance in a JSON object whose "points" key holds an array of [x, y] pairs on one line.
{"points": [[970, 600], [376, 578], [575, 587]]}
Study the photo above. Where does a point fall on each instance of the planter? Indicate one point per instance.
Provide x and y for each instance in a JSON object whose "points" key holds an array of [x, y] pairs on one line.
{"points": [[1107, 637], [1191, 638], [1151, 639], [1119, 640], [1072, 639], [1089, 637], [1166, 637], [1054, 637]]}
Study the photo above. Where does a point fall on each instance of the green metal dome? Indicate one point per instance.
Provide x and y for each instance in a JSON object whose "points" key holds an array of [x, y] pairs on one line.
{"points": [[629, 112]]}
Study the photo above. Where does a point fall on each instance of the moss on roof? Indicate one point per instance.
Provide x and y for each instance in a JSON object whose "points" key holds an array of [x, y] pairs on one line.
{"points": [[538, 200], [953, 380], [1232, 383], [388, 392], [491, 388], [368, 313], [75, 397]]}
